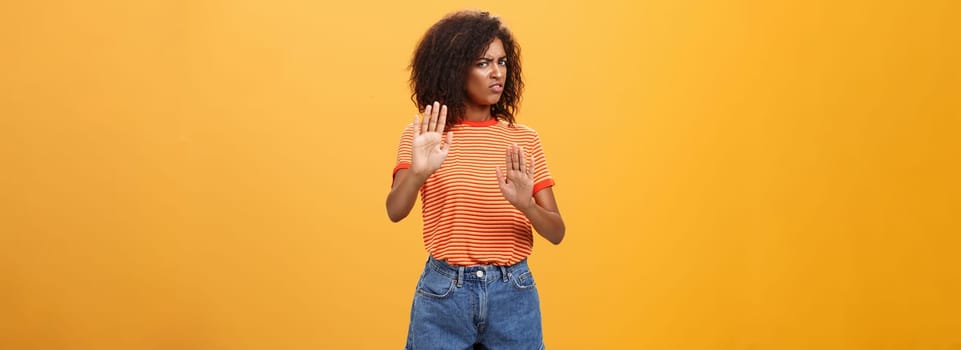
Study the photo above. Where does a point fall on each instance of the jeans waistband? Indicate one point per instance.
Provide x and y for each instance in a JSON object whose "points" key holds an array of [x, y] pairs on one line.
{"points": [[476, 272]]}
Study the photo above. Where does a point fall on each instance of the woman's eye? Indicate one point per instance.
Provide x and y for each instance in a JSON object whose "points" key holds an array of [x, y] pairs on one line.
{"points": [[502, 62], [482, 64]]}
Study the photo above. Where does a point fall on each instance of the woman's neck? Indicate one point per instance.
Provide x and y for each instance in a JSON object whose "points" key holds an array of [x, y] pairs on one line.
{"points": [[477, 113]]}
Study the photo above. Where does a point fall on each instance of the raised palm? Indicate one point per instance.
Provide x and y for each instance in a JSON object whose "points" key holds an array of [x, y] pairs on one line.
{"points": [[429, 149], [517, 180]]}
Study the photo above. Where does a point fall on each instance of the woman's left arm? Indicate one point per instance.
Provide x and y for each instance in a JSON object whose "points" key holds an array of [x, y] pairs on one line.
{"points": [[517, 182], [545, 217]]}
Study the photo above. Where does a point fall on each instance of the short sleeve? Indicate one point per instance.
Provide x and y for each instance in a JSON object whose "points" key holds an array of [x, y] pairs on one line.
{"points": [[404, 150], [542, 175]]}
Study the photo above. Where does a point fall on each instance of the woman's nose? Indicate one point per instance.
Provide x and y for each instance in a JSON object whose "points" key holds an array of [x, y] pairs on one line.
{"points": [[496, 72]]}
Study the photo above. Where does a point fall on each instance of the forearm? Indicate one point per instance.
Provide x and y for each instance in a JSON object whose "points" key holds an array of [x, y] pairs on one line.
{"points": [[403, 195], [548, 224]]}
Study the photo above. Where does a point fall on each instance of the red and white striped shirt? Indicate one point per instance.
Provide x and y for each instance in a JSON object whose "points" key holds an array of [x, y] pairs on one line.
{"points": [[467, 221]]}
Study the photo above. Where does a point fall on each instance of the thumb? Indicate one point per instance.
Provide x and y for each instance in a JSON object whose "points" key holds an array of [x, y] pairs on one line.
{"points": [[500, 176], [450, 140]]}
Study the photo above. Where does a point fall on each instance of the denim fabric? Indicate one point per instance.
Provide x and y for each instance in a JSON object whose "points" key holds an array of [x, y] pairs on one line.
{"points": [[475, 307]]}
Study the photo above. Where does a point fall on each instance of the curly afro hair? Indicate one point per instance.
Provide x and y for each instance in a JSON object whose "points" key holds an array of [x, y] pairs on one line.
{"points": [[445, 55]]}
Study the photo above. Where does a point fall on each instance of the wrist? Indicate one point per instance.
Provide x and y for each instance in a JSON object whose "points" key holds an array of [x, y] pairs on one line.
{"points": [[418, 179], [528, 207], [421, 179]]}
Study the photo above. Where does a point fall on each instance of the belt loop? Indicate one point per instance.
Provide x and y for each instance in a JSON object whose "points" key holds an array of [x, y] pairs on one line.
{"points": [[504, 272], [460, 276]]}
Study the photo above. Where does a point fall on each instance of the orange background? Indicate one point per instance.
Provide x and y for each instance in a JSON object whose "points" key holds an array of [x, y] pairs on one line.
{"points": [[733, 174]]}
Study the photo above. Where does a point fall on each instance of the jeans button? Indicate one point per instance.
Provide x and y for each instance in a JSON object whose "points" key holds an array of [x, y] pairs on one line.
{"points": [[480, 273]]}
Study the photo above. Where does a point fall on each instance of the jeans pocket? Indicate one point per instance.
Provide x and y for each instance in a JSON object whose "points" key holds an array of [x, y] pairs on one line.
{"points": [[435, 285], [523, 280]]}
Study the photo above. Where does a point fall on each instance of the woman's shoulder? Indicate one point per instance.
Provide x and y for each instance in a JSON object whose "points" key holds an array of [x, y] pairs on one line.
{"points": [[409, 128], [518, 127]]}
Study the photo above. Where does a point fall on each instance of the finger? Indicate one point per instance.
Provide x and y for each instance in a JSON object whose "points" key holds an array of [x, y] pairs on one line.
{"points": [[434, 115], [530, 166], [442, 121], [500, 176], [521, 161], [509, 156], [517, 159], [424, 121]]}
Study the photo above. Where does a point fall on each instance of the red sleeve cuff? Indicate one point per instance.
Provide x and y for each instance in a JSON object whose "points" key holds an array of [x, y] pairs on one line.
{"points": [[401, 165], [542, 185]]}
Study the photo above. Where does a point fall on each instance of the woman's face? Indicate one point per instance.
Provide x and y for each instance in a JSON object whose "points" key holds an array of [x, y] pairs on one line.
{"points": [[485, 82]]}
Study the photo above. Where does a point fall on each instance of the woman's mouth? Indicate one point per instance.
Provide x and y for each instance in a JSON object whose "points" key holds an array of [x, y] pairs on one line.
{"points": [[497, 88]]}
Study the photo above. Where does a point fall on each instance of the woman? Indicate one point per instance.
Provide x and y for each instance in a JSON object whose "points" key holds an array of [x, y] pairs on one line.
{"points": [[483, 181]]}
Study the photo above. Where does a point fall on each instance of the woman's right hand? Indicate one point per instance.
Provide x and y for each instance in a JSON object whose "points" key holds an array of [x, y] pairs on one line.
{"points": [[428, 149]]}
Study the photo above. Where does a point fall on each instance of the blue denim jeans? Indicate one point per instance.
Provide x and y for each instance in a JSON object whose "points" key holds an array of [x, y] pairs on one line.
{"points": [[475, 307]]}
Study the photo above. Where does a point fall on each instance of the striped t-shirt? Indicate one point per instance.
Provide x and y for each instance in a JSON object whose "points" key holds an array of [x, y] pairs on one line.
{"points": [[467, 221]]}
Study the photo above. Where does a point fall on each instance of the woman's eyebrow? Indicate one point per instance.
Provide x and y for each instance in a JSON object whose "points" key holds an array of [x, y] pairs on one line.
{"points": [[490, 59]]}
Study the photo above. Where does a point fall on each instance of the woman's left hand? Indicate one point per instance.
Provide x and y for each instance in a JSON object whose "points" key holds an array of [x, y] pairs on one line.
{"points": [[517, 182]]}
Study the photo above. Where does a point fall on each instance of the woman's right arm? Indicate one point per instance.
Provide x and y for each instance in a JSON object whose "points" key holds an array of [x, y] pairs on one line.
{"points": [[403, 195], [427, 154]]}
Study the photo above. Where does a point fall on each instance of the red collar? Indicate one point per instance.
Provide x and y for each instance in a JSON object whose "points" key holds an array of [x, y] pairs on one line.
{"points": [[487, 122]]}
